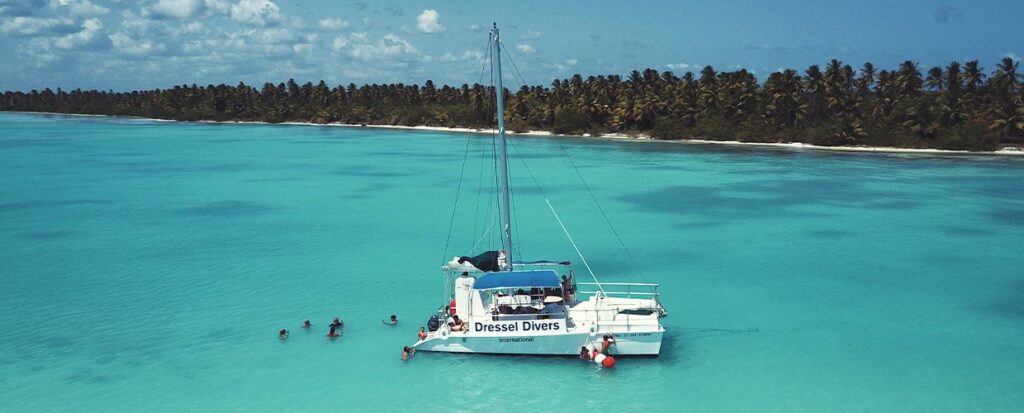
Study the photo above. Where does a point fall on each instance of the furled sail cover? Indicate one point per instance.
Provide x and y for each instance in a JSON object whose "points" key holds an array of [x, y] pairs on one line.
{"points": [[487, 262]]}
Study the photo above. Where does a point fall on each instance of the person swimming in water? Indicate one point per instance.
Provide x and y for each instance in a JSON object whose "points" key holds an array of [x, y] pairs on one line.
{"points": [[283, 334], [607, 341], [306, 324], [337, 328], [392, 321], [407, 353], [584, 353]]}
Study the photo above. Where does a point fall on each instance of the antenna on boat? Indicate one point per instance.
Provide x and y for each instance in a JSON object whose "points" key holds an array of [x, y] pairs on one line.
{"points": [[506, 215]]}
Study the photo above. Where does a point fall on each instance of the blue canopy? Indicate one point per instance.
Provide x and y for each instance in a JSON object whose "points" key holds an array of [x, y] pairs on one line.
{"points": [[518, 279]]}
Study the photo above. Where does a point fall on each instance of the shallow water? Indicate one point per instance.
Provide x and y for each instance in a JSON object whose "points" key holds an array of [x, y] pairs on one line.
{"points": [[147, 266]]}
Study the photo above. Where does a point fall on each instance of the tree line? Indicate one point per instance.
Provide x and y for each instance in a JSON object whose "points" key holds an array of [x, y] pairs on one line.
{"points": [[952, 107]]}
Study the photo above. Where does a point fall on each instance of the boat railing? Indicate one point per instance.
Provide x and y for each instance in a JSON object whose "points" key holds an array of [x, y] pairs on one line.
{"points": [[619, 289], [517, 317]]}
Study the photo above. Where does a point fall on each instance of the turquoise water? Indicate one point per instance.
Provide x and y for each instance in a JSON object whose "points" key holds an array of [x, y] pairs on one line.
{"points": [[147, 266]]}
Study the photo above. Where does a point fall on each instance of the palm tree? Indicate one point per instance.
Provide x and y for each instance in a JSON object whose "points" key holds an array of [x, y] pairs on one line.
{"points": [[1006, 79], [866, 79], [707, 96], [954, 80], [908, 78], [786, 107], [974, 77], [814, 86], [1008, 119], [935, 81], [919, 120]]}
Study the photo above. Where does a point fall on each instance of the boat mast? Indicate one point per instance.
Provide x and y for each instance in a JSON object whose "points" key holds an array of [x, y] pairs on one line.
{"points": [[506, 215]]}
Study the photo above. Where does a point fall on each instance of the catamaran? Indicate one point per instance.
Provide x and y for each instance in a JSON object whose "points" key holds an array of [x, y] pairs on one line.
{"points": [[496, 305]]}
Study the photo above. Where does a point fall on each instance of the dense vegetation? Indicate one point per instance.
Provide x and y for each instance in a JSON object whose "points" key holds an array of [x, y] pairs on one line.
{"points": [[952, 107]]}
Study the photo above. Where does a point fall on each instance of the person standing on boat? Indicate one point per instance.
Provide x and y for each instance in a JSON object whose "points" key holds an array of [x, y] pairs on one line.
{"points": [[422, 334], [566, 288]]}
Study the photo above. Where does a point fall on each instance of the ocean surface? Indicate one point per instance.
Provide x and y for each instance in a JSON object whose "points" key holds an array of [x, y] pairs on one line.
{"points": [[147, 266]]}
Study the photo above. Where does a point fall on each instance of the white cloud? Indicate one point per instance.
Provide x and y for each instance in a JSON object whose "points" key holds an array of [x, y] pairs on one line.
{"points": [[279, 36], [427, 22], [680, 66], [464, 56], [474, 28], [333, 24], [193, 28], [388, 47], [258, 12], [127, 45], [339, 43], [360, 37], [78, 8], [566, 64], [525, 48], [88, 38], [529, 35], [175, 9], [28, 26]]}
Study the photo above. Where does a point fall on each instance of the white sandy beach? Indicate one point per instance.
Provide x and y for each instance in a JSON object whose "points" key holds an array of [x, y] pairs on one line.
{"points": [[646, 138], [1013, 151]]}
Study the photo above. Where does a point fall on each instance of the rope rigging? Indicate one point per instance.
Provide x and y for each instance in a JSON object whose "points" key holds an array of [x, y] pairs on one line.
{"points": [[462, 171], [577, 173], [604, 215], [488, 233]]}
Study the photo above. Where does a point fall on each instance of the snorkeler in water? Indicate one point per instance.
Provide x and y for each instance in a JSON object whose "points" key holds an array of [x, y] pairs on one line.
{"points": [[392, 321], [306, 324], [337, 328], [407, 353], [283, 334]]}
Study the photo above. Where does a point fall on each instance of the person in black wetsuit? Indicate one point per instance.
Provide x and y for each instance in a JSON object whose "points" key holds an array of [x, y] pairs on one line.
{"points": [[337, 328]]}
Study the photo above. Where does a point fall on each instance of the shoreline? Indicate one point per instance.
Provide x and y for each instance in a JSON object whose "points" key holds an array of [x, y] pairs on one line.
{"points": [[610, 136]]}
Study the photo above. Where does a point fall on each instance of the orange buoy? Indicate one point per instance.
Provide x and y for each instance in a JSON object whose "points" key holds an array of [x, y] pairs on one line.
{"points": [[608, 362]]}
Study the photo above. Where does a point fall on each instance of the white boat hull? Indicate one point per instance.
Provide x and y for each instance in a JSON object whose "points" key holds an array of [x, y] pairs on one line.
{"points": [[561, 344]]}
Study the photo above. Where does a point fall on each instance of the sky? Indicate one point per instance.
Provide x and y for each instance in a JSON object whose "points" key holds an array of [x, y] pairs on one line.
{"points": [[146, 44]]}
